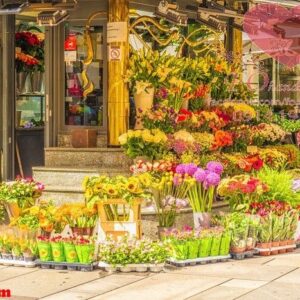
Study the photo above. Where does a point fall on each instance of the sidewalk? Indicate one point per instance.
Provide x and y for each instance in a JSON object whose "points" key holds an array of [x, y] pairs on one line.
{"points": [[260, 278]]}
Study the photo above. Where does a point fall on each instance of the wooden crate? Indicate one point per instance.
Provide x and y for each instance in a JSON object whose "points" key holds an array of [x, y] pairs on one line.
{"points": [[131, 227]]}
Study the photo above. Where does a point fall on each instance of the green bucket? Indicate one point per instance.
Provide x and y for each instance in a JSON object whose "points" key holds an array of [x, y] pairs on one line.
{"points": [[70, 253], [45, 252], [85, 253], [58, 252], [205, 247]]}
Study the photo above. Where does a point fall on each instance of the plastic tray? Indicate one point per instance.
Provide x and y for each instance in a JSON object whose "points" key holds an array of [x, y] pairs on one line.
{"points": [[197, 261], [67, 266]]}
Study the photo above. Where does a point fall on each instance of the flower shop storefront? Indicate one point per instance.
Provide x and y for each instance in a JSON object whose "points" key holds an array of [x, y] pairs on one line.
{"points": [[203, 172]]}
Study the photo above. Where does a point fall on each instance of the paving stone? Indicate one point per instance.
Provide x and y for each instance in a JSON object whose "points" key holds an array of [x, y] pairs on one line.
{"points": [[274, 291], [293, 278], [292, 260], [238, 271], [97, 287], [46, 282], [15, 272], [247, 284], [164, 286], [220, 293]]}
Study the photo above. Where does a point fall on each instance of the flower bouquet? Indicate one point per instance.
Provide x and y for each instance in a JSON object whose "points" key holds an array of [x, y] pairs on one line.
{"points": [[29, 249], [85, 249], [201, 188], [241, 190]]}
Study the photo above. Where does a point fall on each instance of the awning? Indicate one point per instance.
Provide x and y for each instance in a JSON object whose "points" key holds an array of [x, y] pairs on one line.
{"points": [[286, 3]]}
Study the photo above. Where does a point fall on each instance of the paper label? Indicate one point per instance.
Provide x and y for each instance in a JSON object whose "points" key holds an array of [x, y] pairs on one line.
{"points": [[117, 32]]}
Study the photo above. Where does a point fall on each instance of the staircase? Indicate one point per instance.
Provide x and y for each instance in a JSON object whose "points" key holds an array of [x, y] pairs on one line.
{"points": [[65, 169]]}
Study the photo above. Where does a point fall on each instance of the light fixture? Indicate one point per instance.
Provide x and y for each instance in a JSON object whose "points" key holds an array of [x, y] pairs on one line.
{"points": [[171, 12], [52, 18], [12, 8]]}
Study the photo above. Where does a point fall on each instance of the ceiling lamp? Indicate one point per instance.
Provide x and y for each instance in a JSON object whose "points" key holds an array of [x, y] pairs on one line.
{"points": [[12, 8], [171, 12]]}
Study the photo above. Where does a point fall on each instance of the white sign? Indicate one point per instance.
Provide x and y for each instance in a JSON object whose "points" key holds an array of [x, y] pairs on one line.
{"points": [[117, 32], [70, 56], [114, 53]]}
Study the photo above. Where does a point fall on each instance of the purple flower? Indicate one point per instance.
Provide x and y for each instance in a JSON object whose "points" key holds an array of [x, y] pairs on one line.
{"points": [[180, 169], [296, 185], [200, 175], [214, 166], [191, 169], [212, 179]]}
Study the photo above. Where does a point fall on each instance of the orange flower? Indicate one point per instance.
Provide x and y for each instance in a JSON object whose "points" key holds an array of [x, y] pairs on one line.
{"points": [[222, 139]]}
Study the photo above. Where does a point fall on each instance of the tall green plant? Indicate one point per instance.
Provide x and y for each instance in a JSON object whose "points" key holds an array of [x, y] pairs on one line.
{"points": [[280, 186]]}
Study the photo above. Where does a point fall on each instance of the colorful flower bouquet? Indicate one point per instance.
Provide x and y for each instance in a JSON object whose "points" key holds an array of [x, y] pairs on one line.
{"points": [[241, 190]]}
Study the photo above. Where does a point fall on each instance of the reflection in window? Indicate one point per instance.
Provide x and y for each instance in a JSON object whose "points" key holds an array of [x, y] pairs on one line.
{"points": [[80, 111]]}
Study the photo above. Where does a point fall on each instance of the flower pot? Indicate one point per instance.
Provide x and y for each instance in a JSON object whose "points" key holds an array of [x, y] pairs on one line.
{"points": [[143, 102], [205, 247], [250, 244], [215, 246], [58, 252], [29, 258], [282, 243], [7, 256], [85, 253], [202, 219], [20, 81], [156, 268], [125, 269], [265, 246], [36, 81], [70, 253], [193, 249], [45, 251], [274, 244], [225, 244], [297, 233], [290, 242], [141, 268], [235, 249]]}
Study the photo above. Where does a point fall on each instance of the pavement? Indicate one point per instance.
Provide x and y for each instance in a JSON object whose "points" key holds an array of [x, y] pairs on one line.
{"points": [[260, 278]]}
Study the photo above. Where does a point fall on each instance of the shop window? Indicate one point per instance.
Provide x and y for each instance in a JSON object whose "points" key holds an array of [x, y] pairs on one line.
{"points": [[83, 90]]}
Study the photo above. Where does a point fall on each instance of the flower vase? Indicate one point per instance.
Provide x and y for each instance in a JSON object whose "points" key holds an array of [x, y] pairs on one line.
{"points": [[36, 81], [143, 102], [202, 219], [21, 81]]}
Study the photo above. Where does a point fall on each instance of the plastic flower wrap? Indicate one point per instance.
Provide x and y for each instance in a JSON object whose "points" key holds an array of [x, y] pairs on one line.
{"points": [[241, 110], [158, 166], [241, 190]]}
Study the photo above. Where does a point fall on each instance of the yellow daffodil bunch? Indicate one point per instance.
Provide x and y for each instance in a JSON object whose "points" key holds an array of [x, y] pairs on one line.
{"points": [[150, 143], [241, 108]]}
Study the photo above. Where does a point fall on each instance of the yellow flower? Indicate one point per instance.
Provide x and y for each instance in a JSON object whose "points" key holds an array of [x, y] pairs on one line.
{"points": [[146, 136], [123, 139], [184, 135], [142, 86], [88, 193], [137, 133], [84, 182], [34, 210], [111, 191], [130, 134], [163, 73], [98, 188]]}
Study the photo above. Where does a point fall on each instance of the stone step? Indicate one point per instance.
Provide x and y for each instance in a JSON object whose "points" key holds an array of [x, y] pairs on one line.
{"points": [[87, 158], [71, 177], [64, 139]]}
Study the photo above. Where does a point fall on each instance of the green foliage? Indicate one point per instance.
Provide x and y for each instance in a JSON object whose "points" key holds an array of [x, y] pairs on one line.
{"points": [[280, 186]]}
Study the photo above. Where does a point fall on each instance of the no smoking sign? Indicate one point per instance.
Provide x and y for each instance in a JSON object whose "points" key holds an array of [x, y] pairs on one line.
{"points": [[114, 53]]}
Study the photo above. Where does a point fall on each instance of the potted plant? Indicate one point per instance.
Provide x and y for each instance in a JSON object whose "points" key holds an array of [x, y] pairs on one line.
{"points": [[225, 243], [7, 247], [265, 235], [252, 232], [29, 249], [57, 248], [44, 248], [16, 250], [277, 229]]}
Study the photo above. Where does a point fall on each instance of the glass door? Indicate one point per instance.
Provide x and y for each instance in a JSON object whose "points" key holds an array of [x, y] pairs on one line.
{"points": [[85, 88]]}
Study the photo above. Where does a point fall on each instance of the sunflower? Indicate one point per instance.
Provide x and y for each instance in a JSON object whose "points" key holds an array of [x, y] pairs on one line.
{"points": [[98, 188], [88, 193], [111, 191]]}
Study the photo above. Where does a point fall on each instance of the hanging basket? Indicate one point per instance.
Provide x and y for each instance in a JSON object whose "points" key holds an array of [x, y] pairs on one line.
{"points": [[143, 102]]}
